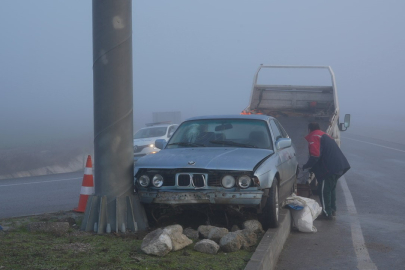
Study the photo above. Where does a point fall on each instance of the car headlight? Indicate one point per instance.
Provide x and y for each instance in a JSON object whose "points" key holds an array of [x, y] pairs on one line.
{"points": [[151, 145], [157, 180], [228, 181], [244, 181], [144, 180]]}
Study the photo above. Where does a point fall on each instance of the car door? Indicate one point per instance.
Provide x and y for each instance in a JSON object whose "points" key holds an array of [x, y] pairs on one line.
{"points": [[292, 161], [284, 157], [281, 153]]}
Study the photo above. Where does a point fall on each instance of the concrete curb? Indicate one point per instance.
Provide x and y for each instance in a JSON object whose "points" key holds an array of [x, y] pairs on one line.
{"points": [[271, 245]]}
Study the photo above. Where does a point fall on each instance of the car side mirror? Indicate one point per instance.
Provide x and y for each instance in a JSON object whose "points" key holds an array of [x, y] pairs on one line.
{"points": [[347, 120], [343, 126], [283, 143], [160, 143]]}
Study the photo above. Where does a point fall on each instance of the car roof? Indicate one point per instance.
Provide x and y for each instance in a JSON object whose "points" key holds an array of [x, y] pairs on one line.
{"points": [[235, 116]]}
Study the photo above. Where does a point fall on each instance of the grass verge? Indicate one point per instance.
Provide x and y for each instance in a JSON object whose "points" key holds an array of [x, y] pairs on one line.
{"points": [[21, 249]]}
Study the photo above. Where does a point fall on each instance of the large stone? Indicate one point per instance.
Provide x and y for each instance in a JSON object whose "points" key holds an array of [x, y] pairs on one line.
{"points": [[235, 228], [157, 243], [231, 242], [190, 233], [253, 225], [58, 228], [207, 246], [179, 240], [204, 230], [249, 237], [173, 229], [217, 233], [69, 220]]}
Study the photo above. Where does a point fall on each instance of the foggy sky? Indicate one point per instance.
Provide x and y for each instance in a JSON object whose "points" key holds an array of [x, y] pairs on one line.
{"points": [[197, 57]]}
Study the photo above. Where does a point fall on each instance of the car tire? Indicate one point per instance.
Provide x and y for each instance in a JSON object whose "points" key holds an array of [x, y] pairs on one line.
{"points": [[294, 188], [271, 210]]}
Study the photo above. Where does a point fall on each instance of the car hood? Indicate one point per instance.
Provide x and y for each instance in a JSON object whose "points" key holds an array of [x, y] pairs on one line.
{"points": [[244, 159], [145, 141]]}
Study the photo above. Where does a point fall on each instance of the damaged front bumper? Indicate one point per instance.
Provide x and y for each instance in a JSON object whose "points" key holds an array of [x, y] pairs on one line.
{"points": [[213, 197]]}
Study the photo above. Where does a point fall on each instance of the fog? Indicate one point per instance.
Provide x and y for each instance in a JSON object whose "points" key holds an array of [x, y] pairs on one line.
{"points": [[197, 57]]}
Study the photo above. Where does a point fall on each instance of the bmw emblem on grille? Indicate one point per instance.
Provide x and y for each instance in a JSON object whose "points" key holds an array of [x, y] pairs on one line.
{"points": [[191, 163]]}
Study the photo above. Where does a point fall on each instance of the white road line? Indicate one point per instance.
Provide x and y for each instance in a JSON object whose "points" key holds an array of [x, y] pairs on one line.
{"points": [[364, 261], [375, 144], [29, 183]]}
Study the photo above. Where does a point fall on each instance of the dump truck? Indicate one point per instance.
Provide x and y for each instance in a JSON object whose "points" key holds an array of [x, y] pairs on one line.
{"points": [[296, 105]]}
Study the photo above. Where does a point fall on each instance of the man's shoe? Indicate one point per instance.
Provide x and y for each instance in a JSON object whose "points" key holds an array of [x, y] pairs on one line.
{"points": [[334, 213]]}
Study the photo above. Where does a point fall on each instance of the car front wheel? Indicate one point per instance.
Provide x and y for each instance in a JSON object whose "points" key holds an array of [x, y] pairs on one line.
{"points": [[270, 212]]}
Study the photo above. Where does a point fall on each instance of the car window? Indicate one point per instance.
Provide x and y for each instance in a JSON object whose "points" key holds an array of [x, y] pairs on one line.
{"points": [[276, 131], [282, 130], [150, 132], [222, 133]]}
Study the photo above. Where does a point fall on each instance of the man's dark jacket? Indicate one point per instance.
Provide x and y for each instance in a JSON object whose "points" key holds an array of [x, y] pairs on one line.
{"points": [[326, 158]]}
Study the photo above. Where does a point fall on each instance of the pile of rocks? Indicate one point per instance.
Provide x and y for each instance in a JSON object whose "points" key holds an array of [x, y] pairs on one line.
{"points": [[161, 241]]}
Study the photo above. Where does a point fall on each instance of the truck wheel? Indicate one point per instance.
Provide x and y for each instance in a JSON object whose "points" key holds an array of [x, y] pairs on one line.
{"points": [[271, 209]]}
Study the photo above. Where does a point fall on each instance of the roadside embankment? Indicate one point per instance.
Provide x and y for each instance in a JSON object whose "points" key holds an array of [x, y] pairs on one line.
{"points": [[35, 161], [54, 241]]}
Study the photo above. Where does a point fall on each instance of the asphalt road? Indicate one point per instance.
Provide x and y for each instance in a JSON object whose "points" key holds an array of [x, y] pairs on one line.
{"points": [[40, 194], [369, 232]]}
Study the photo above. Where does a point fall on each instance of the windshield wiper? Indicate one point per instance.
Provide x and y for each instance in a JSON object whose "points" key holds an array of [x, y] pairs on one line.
{"points": [[187, 144], [234, 144]]}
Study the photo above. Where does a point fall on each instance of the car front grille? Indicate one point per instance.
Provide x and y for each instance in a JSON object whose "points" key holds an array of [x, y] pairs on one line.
{"points": [[183, 180], [190, 178], [169, 180], [139, 148], [198, 180], [214, 180]]}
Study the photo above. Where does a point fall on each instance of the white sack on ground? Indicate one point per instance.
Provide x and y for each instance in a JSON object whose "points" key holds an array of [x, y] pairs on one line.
{"points": [[304, 219]]}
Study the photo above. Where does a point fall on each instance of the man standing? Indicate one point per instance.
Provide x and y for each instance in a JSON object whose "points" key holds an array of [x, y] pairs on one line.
{"points": [[328, 163]]}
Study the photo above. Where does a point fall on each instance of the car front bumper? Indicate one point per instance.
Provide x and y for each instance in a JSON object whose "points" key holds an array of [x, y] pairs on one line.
{"points": [[213, 197]]}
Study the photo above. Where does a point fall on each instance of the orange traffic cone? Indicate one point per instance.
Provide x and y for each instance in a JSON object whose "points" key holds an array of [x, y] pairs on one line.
{"points": [[87, 186]]}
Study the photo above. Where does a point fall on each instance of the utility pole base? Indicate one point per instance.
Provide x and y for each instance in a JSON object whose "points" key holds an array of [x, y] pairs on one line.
{"points": [[122, 214]]}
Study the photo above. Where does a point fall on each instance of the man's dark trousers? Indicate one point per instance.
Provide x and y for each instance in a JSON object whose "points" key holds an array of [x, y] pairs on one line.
{"points": [[327, 194]]}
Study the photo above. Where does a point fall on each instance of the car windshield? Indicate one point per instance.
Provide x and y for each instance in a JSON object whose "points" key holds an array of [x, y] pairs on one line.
{"points": [[246, 133], [150, 132]]}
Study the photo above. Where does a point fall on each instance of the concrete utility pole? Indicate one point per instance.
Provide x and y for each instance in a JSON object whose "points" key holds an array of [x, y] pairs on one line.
{"points": [[114, 207]]}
